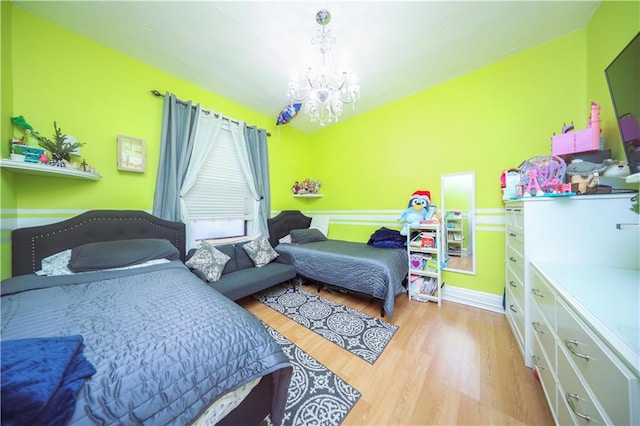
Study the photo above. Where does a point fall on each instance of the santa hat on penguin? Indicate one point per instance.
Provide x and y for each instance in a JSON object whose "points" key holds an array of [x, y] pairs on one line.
{"points": [[417, 210], [422, 195]]}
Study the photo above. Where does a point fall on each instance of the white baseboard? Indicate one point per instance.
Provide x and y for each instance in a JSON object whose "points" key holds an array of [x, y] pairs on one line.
{"points": [[477, 299]]}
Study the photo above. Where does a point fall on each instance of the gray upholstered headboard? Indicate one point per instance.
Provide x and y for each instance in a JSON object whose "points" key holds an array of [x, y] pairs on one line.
{"points": [[30, 245], [280, 225]]}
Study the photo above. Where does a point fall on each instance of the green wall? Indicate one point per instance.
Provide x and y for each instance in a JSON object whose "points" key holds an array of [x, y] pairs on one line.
{"points": [[487, 121], [95, 94], [8, 199]]}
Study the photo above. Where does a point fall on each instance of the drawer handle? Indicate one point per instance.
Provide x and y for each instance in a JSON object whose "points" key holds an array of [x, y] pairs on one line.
{"points": [[513, 309], [537, 292], [512, 284], [535, 359], [538, 327], [572, 345], [511, 234], [513, 259], [570, 397]]}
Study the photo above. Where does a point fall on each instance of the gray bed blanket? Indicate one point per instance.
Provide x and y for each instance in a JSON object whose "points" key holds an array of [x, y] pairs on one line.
{"points": [[378, 272], [164, 344]]}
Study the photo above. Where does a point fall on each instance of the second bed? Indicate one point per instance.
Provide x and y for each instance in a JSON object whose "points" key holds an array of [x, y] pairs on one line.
{"points": [[352, 266]]}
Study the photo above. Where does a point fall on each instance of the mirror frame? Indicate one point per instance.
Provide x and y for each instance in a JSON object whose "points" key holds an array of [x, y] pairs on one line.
{"points": [[472, 217]]}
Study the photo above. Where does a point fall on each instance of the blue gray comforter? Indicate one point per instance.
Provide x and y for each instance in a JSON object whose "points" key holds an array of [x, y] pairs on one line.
{"points": [[378, 272], [164, 344]]}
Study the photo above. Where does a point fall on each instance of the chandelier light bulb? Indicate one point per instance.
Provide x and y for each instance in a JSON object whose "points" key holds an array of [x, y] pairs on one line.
{"points": [[324, 92]]}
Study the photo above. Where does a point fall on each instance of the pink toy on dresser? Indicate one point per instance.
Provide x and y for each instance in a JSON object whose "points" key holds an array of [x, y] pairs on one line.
{"points": [[579, 140]]}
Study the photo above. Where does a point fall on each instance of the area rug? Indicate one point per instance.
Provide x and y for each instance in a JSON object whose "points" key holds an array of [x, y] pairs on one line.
{"points": [[357, 332], [316, 395]]}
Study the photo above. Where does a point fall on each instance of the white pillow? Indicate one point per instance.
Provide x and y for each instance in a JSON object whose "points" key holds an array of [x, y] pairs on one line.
{"points": [[321, 224], [286, 239]]}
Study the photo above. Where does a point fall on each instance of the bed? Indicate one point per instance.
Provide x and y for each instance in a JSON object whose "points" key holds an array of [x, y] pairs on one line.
{"points": [[358, 268], [167, 348]]}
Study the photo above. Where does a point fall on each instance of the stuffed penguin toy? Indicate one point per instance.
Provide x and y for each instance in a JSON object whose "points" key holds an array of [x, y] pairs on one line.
{"points": [[417, 210]]}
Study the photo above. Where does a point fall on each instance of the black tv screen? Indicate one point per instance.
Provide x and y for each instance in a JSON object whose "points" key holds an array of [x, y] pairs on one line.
{"points": [[623, 77]]}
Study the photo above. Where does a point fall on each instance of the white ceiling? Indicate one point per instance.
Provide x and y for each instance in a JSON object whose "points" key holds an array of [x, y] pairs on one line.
{"points": [[246, 51]]}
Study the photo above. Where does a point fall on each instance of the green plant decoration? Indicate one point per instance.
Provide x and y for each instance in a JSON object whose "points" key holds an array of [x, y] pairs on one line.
{"points": [[59, 148]]}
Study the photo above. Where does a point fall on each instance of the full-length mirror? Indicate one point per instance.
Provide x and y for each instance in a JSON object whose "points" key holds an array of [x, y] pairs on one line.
{"points": [[458, 214]]}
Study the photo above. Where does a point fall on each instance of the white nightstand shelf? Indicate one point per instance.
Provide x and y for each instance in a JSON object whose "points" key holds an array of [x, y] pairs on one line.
{"points": [[428, 253], [307, 195]]}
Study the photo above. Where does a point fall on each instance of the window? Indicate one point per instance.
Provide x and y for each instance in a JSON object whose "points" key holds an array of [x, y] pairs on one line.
{"points": [[219, 203]]}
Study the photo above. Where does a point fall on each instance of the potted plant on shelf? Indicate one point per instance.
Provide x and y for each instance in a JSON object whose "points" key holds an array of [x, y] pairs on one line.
{"points": [[59, 147]]}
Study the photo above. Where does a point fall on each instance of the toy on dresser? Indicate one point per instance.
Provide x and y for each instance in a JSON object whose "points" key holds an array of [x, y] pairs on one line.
{"points": [[543, 175], [570, 140]]}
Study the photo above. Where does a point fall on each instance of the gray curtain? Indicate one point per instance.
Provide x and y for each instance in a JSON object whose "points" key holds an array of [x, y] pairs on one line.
{"points": [[259, 159], [179, 120]]}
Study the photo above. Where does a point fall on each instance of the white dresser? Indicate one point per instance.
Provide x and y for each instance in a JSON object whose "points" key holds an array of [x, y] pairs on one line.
{"points": [[585, 322], [572, 279], [569, 230]]}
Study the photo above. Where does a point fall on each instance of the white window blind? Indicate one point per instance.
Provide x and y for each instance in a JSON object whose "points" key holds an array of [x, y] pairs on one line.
{"points": [[220, 192]]}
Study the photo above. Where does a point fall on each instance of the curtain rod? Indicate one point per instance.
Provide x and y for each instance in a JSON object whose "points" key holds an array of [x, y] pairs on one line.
{"points": [[157, 93]]}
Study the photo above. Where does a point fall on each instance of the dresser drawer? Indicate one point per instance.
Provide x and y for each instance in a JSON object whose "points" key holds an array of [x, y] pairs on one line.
{"points": [[546, 373], [515, 314], [515, 260], [609, 381], [563, 416], [544, 297], [570, 389], [514, 283], [515, 241], [542, 333], [514, 217]]}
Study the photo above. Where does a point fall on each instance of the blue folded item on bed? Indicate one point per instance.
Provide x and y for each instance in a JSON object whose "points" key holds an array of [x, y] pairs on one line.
{"points": [[41, 378], [387, 238]]}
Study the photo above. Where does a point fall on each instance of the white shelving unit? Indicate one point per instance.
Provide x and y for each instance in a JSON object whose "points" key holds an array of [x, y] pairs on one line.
{"points": [[22, 167], [425, 252], [454, 225]]}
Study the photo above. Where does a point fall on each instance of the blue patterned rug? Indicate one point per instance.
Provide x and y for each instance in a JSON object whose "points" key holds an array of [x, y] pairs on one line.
{"points": [[316, 395], [357, 332]]}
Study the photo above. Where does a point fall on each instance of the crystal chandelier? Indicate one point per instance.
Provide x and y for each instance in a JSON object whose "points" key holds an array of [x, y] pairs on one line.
{"points": [[324, 91]]}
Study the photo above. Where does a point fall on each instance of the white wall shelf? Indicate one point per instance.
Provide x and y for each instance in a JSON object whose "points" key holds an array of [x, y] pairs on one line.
{"points": [[22, 167], [307, 195]]}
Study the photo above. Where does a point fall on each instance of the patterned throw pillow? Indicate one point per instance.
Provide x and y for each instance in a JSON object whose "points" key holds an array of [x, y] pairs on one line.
{"points": [[56, 264], [260, 251], [208, 260]]}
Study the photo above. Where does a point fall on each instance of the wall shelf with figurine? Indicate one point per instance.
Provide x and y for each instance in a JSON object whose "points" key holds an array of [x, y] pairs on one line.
{"points": [[22, 167], [308, 188]]}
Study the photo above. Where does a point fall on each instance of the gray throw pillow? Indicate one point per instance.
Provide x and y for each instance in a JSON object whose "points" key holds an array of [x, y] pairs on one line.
{"points": [[208, 260], [301, 236], [120, 253], [260, 251]]}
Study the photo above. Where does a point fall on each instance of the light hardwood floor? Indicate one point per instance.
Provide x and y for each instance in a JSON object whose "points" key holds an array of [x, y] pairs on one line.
{"points": [[460, 262], [449, 365]]}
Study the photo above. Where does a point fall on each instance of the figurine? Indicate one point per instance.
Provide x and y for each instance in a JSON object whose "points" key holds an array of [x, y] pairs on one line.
{"points": [[533, 179]]}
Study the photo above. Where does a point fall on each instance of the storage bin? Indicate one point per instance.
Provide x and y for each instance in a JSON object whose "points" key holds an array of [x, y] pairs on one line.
{"points": [[31, 154]]}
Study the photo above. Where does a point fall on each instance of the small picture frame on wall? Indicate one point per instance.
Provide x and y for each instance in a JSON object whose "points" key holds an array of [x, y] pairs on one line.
{"points": [[131, 154]]}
